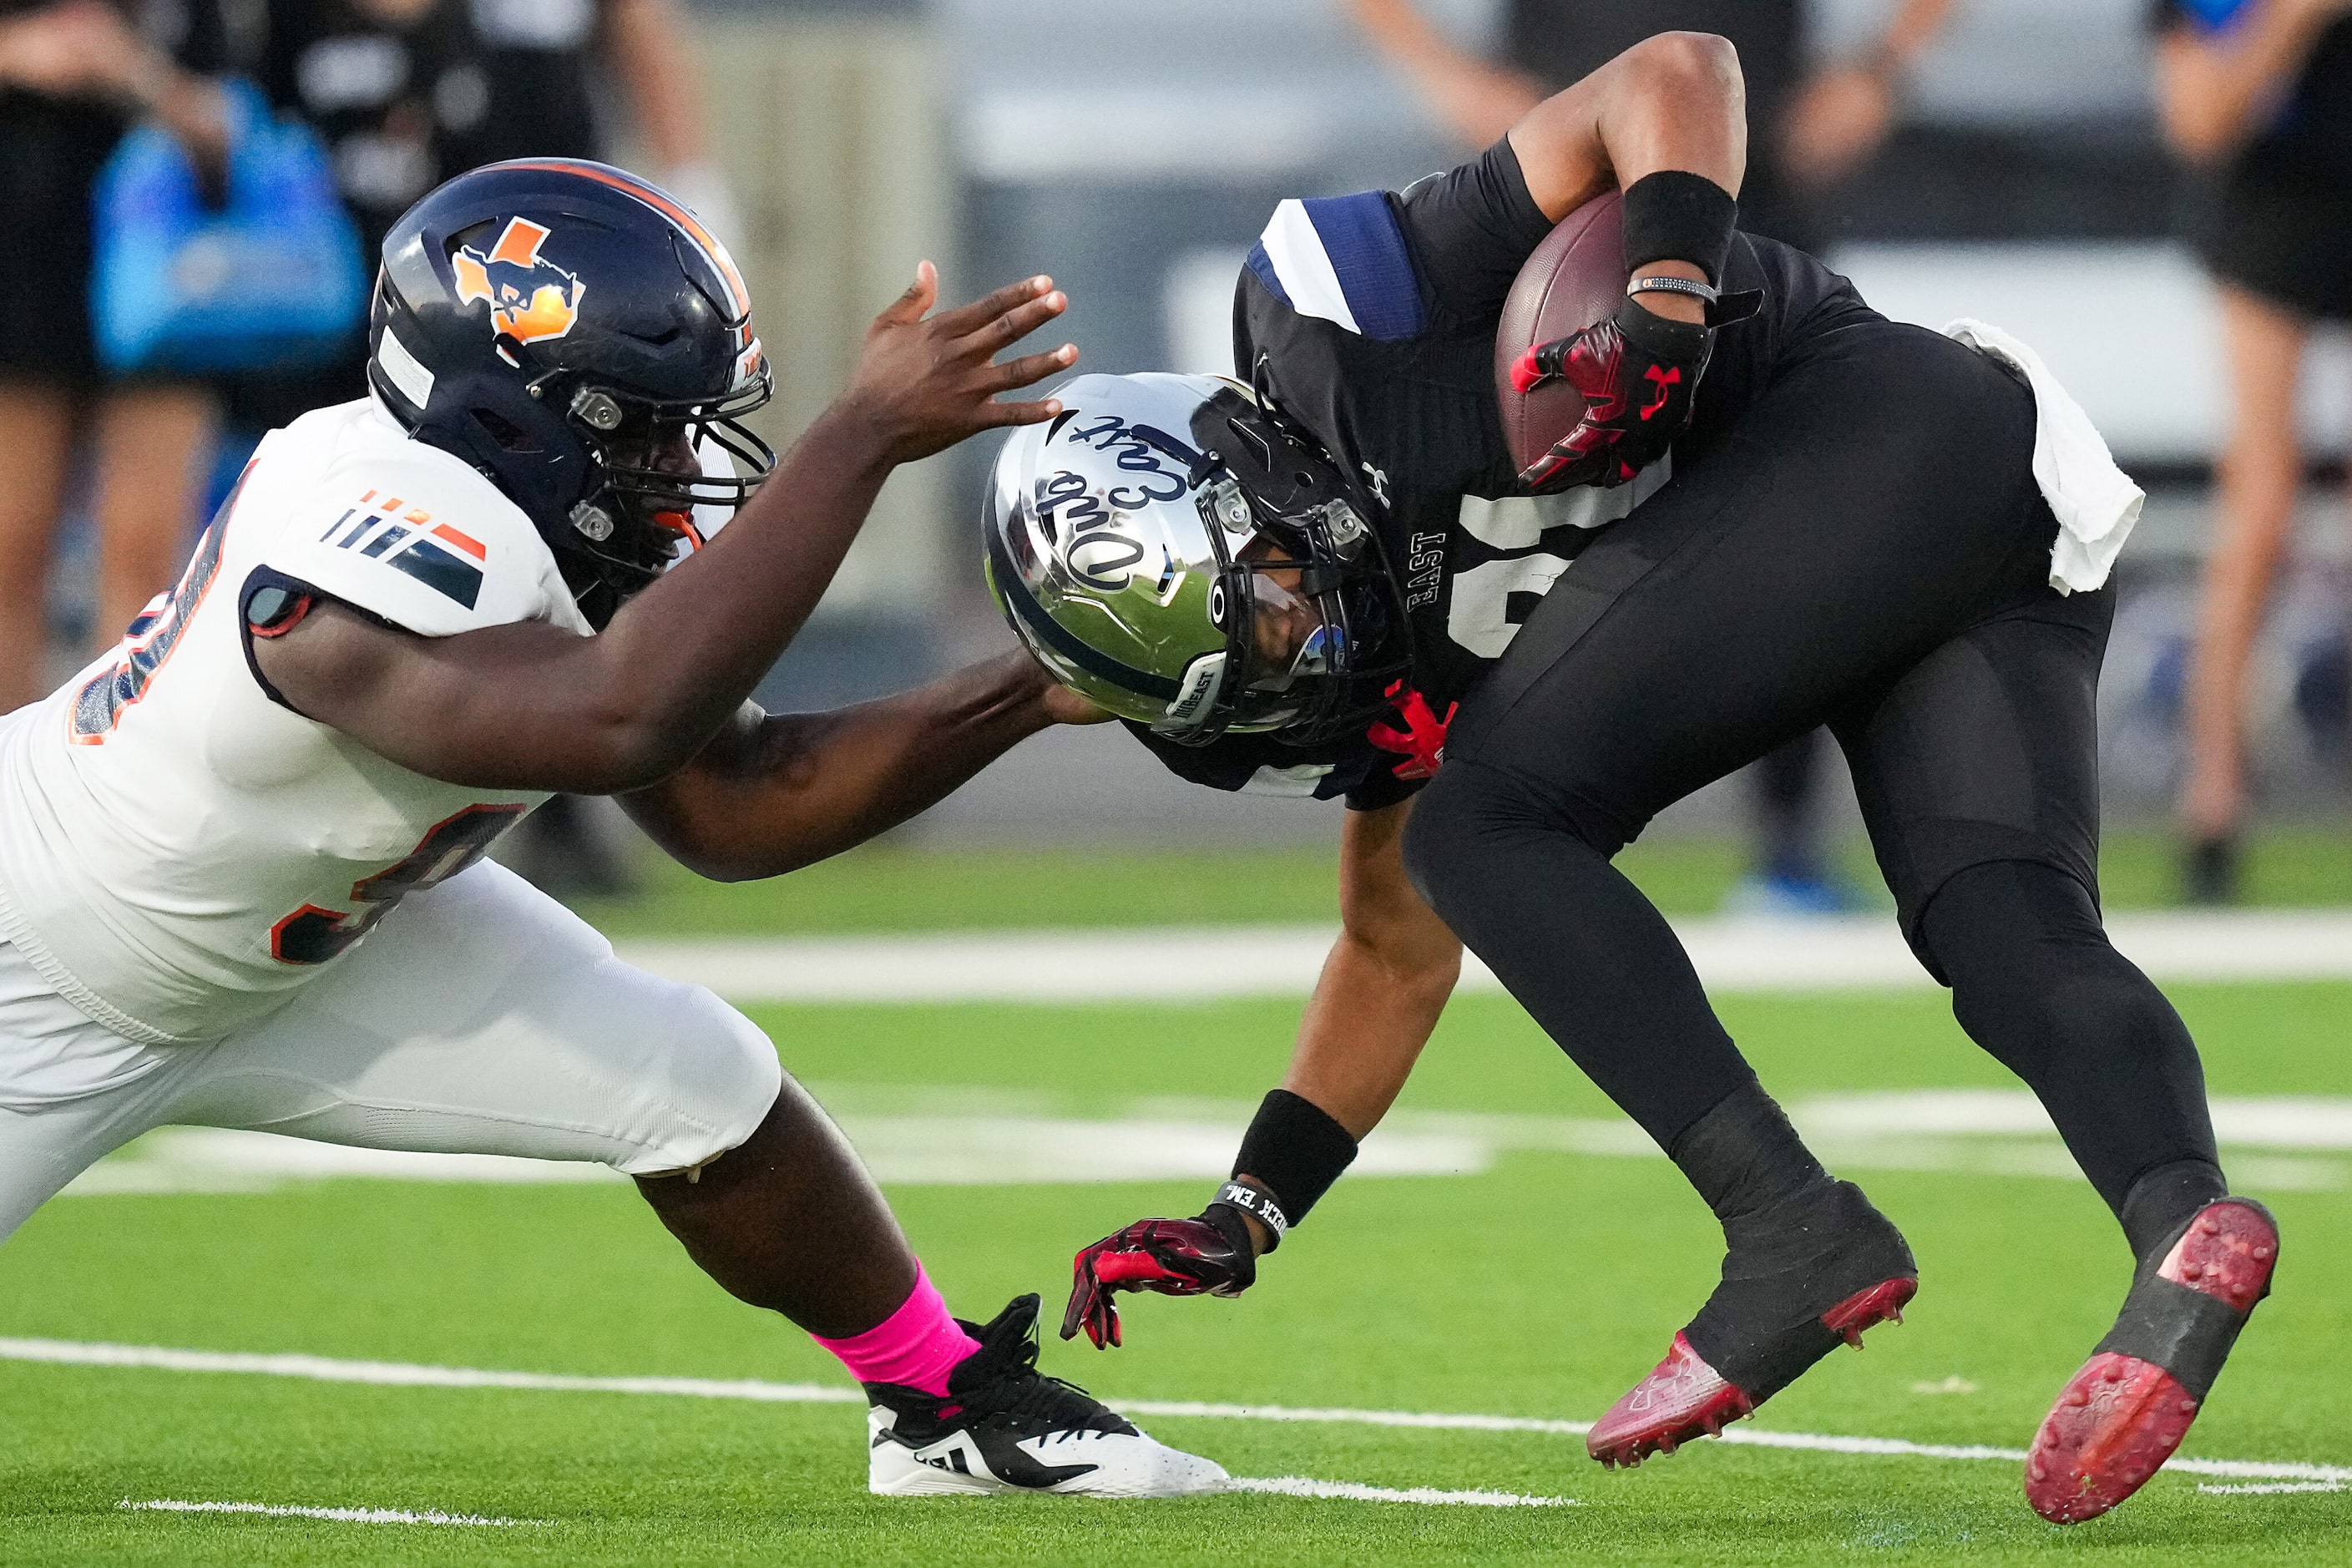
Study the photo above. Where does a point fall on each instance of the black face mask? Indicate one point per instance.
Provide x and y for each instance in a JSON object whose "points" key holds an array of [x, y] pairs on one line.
{"points": [[626, 532], [1316, 523]]}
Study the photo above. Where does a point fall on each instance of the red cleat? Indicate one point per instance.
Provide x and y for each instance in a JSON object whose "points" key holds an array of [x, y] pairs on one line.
{"points": [[2124, 1414], [1685, 1398]]}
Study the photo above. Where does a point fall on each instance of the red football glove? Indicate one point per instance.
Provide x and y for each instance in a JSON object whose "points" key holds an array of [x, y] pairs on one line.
{"points": [[1209, 1255], [1637, 371]]}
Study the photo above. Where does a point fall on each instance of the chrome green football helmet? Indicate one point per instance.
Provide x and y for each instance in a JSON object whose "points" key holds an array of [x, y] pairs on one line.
{"points": [[1178, 552]]}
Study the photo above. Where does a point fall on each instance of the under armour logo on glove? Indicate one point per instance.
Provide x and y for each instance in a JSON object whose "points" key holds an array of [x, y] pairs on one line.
{"points": [[1422, 742], [1637, 371], [1666, 379]]}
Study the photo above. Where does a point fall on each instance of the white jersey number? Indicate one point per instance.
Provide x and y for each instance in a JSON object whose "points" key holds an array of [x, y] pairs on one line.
{"points": [[1478, 616]]}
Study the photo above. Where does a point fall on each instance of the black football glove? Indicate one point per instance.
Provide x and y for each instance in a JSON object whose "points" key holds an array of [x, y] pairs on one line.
{"points": [[1209, 1255], [1638, 372]]}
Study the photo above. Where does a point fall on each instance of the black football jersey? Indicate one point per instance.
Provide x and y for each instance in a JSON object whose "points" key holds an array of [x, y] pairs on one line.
{"points": [[1374, 316]]}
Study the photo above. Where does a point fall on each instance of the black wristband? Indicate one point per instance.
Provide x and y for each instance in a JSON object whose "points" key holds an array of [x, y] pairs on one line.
{"points": [[1676, 216], [1294, 1152], [1240, 1198]]}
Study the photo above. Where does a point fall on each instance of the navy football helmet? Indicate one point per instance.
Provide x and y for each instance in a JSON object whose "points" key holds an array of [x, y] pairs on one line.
{"points": [[577, 335]]}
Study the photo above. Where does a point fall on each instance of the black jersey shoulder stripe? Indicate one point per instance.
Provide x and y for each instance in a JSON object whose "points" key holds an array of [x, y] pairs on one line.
{"points": [[441, 571]]}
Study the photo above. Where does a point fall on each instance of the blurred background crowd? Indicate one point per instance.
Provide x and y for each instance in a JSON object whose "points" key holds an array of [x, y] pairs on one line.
{"points": [[2156, 193]]}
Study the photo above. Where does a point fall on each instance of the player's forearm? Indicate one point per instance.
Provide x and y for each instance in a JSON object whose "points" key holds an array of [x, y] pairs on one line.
{"points": [[680, 657], [1373, 1009], [1372, 1014], [1379, 995], [1673, 101], [1382, 987], [793, 789], [527, 706]]}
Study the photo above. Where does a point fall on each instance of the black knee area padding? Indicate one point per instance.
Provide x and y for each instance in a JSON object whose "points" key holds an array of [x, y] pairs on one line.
{"points": [[1469, 825], [1460, 823], [2036, 982], [1434, 835]]}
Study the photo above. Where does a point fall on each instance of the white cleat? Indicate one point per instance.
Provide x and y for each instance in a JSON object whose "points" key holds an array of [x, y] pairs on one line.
{"points": [[1004, 1426]]}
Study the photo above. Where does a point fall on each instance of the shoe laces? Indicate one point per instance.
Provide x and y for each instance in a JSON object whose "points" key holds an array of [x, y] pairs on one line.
{"points": [[1007, 1385]]}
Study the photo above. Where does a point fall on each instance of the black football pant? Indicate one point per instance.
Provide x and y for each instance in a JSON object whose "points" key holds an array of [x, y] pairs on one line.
{"points": [[1865, 549]]}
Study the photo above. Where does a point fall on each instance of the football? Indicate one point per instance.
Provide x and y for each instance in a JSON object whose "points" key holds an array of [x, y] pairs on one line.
{"points": [[1575, 278]]}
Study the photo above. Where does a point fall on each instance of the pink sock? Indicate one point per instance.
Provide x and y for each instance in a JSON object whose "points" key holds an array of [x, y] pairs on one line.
{"points": [[915, 1347]]}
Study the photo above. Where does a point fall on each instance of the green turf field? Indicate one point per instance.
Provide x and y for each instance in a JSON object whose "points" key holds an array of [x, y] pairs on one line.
{"points": [[1540, 1287], [896, 886]]}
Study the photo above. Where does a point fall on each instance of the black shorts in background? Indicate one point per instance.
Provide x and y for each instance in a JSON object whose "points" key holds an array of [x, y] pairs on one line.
{"points": [[2283, 237], [2275, 219]]}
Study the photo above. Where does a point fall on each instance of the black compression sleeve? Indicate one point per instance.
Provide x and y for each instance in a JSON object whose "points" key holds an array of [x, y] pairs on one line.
{"points": [[1676, 216], [1295, 1150]]}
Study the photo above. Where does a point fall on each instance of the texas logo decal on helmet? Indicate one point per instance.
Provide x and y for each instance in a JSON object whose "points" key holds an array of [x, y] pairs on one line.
{"points": [[531, 299]]}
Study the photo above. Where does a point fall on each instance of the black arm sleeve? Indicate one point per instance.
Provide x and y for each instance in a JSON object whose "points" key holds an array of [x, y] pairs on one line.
{"points": [[1470, 230]]}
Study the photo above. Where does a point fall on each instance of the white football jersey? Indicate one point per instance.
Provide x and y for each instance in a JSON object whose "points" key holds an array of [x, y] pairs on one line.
{"points": [[178, 849]]}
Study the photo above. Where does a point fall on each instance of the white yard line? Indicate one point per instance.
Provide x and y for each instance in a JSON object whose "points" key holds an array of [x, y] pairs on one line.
{"points": [[326, 1369], [940, 1136], [409, 1374], [2269, 1489], [1352, 1491], [1198, 964], [339, 1515]]}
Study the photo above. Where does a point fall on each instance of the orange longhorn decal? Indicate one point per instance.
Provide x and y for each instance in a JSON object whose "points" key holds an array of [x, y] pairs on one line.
{"points": [[530, 299]]}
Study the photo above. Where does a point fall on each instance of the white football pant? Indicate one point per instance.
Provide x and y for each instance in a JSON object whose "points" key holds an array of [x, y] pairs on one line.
{"points": [[481, 1017]]}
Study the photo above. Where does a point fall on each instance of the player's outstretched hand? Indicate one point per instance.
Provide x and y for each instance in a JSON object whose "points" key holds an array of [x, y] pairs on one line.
{"points": [[926, 381], [1209, 1255]]}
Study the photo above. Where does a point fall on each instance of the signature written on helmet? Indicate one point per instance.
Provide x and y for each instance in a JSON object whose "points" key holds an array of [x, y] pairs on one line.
{"points": [[1084, 523], [530, 299], [1092, 546], [1142, 450]]}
